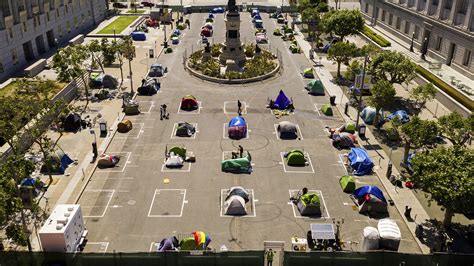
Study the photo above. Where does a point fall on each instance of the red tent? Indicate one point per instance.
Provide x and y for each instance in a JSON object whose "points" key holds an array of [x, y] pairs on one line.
{"points": [[189, 103]]}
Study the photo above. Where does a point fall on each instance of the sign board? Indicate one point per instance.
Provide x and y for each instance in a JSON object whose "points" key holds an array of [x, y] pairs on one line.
{"points": [[367, 81], [151, 53]]}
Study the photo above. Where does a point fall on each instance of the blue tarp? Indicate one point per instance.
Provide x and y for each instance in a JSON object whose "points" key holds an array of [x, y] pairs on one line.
{"points": [[402, 116], [371, 190], [281, 101], [138, 36], [360, 161], [176, 32], [237, 121], [28, 182], [257, 17], [217, 10], [65, 162]]}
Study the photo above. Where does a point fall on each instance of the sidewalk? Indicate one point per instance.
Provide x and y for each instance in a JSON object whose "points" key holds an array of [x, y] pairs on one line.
{"points": [[401, 197]]}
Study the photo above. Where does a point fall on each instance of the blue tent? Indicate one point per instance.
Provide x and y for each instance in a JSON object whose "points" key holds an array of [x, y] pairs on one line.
{"points": [[177, 32], [370, 190], [281, 101], [360, 161], [138, 36], [28, 182], [257, 17], [237, 121], [237, 128], [217, 10], [402, 116]]}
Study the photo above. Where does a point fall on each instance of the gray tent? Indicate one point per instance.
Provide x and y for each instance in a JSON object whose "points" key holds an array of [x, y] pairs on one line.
{"points": [[238, 191], [185, 129], [109, 82], [235, 205], [287, 130], [174, 161]]}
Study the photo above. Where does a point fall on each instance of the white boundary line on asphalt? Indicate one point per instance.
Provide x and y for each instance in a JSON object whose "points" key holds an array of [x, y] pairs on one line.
{"points": [[183, 192], [320, 194], [317, 106], [299, 134], [153, 245], [106, 206], [224, 132], [175, 127], [189, 113], [106, 244], [244, 109], [124, 164], [254, 210], [341, 163], [297, 172], [127, 135], [151, 106]]}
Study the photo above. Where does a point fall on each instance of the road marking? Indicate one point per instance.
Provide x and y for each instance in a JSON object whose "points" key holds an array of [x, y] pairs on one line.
{"points": [[157, 191], [297, 172], [106, 206], [320, 194], [103, 245], [254, 210], [244, 105]]}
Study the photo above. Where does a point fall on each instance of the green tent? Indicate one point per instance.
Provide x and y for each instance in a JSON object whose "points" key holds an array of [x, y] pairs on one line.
{"points": [[238, 165], [327, 109], [188, 244], [309, 205], [308, 73], [181, 151], [310, 199], [350, 127], [315, 86], [295, 158], [347, 183], [294, 48]]}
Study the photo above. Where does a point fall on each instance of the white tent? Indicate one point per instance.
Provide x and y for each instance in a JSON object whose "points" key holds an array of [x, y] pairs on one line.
{"points": [[370, 239], [174, 161], [390, 235], [235, 205]]}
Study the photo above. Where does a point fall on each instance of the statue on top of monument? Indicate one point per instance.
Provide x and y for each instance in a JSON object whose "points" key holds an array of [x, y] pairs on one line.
{"points": [[231, 5]]}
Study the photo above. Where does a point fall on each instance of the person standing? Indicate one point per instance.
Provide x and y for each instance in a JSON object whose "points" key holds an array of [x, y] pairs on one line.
{"points": [[270, 254], [241, 151], [161, 112], [239, 107]]}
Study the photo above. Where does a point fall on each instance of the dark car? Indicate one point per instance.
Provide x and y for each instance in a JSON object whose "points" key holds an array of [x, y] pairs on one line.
{"points": [[147, 4], [119, 5], [157, 70]]}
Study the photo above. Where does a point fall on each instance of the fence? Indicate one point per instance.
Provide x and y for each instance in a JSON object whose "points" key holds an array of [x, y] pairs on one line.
{"points": [[231, 258]]}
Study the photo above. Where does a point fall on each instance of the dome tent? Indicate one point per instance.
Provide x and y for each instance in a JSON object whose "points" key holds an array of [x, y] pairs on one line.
{"points": [[124, 126], [185, 129], [72, 123], [282, 102], [347, 183], [315, 87], [370, 199], [368, 115], [327, 109], [360, 161], [189, 103], [295, 158], [308, 73], [309, 204], [235, 205], [237, 128], [287, 130]]}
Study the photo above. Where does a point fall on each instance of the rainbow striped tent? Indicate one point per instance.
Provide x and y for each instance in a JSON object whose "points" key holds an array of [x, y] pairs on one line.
{"points": [[201, 239]]}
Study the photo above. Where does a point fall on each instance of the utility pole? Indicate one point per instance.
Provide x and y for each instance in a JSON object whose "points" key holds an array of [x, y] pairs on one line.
{"points": [[360, 92]]}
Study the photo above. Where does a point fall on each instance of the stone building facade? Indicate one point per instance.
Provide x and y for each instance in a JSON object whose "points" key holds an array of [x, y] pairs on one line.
{"points": [[446, 25], [29, 28]]}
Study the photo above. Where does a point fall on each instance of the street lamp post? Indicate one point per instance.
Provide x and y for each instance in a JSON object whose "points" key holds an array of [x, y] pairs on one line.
{"points": [[130, 71], [412, 40], [361, 87], [165, 43], [115, 36]]}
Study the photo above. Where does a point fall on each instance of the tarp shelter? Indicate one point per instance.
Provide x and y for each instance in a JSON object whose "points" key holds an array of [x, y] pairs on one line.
{"points": [[371, 239], [308, 73], [58, 161], [168, 244], [181, 151], [109, 82], [201, 239], [327, 109], [368, 115], [282, 102], [185, 129], [295, 158], [238, 165], [124, 126], [217, 10], [174, 161], [149, 87], [174, 39], [347, 183], [390, 235], [189, 103], [343, 140], [106, 161], [138, 36], [401, 115], [370, 199], [235, 205], [72, 123], [315, 87], [208, 25], [360, 161], [237, 128], [188, 243], [287, 130], [309, 204]]}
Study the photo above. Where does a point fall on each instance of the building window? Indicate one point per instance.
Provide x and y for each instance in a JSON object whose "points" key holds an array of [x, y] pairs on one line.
{"points": [[366, 9], [399, 23], [57, 12], [390, 19], [383, 15], [407, 27], [14, 56], [467, 58], [1, 68], [439, 43], [23, 26], [417, 32]]}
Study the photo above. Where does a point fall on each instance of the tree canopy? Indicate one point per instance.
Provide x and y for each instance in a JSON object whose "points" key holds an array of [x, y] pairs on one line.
{"points": [[383, 94], [422, 94], [447, 175], [392, 66], [418, 133], [341, 52], [344, 22], [456, 128]]}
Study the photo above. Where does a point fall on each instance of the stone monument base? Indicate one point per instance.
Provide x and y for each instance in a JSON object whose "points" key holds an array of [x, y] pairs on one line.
{"points": [[231, 66]]}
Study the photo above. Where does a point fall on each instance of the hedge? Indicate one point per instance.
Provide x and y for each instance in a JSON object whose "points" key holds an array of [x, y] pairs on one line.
{"points": [[445, 87], [375, 37]]}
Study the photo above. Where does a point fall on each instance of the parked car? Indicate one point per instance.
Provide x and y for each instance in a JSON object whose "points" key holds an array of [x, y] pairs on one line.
{"points": [[261, 38], [119, 5], [147, 4], [157, 70]]}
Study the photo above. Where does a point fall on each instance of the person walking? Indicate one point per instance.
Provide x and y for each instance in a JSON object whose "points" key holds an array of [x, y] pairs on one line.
{"points": [[239, 107], [407, 212], [269, 254], [161, 112], [241, 151]]}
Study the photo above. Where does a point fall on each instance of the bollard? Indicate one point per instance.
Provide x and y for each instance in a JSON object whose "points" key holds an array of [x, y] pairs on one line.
{"points": [[94, 150], [346, 109], [389, 170]]}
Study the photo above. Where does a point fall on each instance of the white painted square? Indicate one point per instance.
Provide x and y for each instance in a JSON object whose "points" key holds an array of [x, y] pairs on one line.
{"points": [[101, 247], [296, 213], [291, 169], [132, 134], [234, 103], [317, 108], [341, 163], [194, 112], [175, 127], [88, 209], [225, 131], [252, 200], [161, 199], [298, 134], [148, 110], [124, 161], [153, 247]]}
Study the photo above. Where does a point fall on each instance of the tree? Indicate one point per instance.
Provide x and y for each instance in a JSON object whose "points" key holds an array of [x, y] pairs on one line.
{"points": [[125, 49], [422, 94], [383, 93], [311, 17], [417, 134], [341, 52], [108, 51], [392, 66], [447, 175], [344, 22], [456, 128], [70, 63], [94, 48]]}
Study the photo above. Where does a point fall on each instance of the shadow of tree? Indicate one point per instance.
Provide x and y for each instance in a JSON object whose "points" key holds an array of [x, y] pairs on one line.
{"points": [[440, 239]]}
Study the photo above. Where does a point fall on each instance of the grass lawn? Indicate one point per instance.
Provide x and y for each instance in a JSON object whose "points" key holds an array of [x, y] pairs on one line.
{"points": [[139, 11], [119, 25], [10, 89]]}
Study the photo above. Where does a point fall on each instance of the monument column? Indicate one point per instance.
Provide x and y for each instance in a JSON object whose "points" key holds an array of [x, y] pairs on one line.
{"points": [[232, 47]]}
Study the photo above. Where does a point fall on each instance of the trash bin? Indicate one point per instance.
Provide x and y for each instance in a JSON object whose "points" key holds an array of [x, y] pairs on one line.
{"points": [[362, 128], [332, 100], [103, 127]]}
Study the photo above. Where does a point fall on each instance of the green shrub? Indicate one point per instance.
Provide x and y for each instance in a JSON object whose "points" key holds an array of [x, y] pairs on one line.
{"points": [[249, 50], [181, 26], [375, 37], [216, 50], [277, 32], [445, 87], [168, 50]]}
